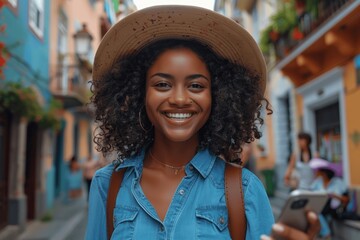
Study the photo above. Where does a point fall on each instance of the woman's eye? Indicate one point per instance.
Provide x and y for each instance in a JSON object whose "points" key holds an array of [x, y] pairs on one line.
{"points": [[162, 85], [196, 86]]}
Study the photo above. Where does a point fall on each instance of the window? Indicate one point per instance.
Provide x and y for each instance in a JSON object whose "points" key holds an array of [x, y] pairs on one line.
{"points": [[328, 132], [62, 52], [13, 3], [36, 16]]}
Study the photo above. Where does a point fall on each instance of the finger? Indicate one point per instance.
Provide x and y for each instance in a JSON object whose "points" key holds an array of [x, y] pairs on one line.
{"points": [[314, 225], [282, 231], [264, 237]]}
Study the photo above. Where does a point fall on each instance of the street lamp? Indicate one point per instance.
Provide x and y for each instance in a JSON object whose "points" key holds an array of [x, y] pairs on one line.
{"points": [[83, 41]]}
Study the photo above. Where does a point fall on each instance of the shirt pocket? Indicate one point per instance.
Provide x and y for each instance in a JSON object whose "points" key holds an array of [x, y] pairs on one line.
{"points": [[124, 222], [212, 222]]}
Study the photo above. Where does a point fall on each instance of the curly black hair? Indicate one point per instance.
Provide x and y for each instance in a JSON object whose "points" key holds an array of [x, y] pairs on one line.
{"points": [[237, 99]]}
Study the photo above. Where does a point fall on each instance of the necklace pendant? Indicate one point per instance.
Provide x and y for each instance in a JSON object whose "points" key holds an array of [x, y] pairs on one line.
{"points": [[176, 171]]}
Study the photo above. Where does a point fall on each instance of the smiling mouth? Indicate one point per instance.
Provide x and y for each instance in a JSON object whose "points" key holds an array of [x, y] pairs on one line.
{"points": [[178, 116]]}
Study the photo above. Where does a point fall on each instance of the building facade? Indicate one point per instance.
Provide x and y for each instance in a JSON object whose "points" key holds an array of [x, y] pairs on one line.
{"points": [[313, 83], [26, 37], [45, 63]]}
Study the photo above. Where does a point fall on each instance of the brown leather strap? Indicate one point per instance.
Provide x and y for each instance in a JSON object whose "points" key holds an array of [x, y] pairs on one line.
{"points": [[114, 186], [235, 202]]}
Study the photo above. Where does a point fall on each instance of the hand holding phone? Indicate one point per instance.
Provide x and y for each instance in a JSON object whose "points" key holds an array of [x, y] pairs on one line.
{"points": [[298, 204]]}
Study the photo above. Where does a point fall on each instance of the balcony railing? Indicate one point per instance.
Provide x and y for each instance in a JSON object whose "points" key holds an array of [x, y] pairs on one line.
{"points": [[308, 22], [72, 84]]}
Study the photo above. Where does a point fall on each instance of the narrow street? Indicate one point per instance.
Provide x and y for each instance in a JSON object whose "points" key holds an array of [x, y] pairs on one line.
{"points": [[79, 230]]}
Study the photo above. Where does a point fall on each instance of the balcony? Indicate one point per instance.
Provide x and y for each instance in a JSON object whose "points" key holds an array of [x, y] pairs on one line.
{"points": [[74, 71], [323, 36], [72, 87]]}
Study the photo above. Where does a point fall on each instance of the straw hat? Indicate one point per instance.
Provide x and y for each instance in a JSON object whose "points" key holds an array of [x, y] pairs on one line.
{"points": [[223, 35]]}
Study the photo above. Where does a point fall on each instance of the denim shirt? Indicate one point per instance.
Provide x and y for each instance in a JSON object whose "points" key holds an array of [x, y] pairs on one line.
{"points": [[197, 210]]}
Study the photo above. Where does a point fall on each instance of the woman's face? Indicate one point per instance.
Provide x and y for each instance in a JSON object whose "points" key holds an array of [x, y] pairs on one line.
{"points": [[303, 143], [178, 95]]}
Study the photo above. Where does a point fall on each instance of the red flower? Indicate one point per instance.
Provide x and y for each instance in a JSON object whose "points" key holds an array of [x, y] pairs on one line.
{"points": [[297, 34], [2, 61], [2, 3]]}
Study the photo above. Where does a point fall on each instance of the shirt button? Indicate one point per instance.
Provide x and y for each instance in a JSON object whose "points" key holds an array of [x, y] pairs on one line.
{"points": [[182, 192], [162, 228], [221, 220], [191, 168]]}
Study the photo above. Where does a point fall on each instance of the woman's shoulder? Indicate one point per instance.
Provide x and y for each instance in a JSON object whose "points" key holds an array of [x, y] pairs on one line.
{"points": [[249, 179], [104, 172]]}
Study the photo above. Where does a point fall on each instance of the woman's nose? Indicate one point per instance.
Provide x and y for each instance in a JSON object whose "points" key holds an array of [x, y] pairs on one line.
{"points": [[180, 97]]}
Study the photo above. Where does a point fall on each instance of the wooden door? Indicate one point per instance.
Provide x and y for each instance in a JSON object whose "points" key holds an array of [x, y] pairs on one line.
{"points": [[30, 168], [4, 166]]}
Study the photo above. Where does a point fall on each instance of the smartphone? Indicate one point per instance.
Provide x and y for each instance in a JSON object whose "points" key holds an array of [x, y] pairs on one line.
{"points": [[298, 204]]}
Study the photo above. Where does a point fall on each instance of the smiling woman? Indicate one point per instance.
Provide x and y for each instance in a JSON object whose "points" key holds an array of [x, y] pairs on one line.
{"points": [[178, 91]]}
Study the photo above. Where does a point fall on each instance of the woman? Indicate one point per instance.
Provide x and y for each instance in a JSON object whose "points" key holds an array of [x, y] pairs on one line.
{"points": [[328, 180], [299, 174], [173, 100]]}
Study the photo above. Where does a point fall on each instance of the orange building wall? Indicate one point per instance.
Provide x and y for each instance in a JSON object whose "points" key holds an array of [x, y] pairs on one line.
{"points": [[352, 100], [83, 139], [79, 12], [68, 136], [299, 111], [268, 161]]}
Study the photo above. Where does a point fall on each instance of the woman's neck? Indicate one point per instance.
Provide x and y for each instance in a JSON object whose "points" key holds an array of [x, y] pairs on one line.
{"points": [[174, 153]]}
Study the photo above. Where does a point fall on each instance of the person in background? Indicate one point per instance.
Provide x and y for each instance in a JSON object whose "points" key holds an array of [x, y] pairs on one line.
{"points": [[299, 174], [328, 180], [74, 178], [89, 168]]}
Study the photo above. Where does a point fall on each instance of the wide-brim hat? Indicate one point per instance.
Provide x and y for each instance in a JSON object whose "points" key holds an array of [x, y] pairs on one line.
{"points": [[319, 163], [223, 35]]}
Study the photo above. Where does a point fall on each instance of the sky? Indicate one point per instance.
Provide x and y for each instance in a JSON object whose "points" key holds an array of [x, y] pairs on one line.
{"points": [[201, 3]]}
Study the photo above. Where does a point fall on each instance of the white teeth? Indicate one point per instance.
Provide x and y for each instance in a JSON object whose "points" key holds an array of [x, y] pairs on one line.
{"points": [[179, 115]]}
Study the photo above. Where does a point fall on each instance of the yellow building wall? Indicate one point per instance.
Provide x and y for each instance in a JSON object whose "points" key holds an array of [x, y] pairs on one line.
{"points": [[68, 135], [266, 161], [83, 139], [352, 100], [299, 112]]}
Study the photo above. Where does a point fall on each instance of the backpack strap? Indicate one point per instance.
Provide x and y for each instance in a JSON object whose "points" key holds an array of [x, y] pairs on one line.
{"points": [[114, 186], [235, 202], [233, 193]]}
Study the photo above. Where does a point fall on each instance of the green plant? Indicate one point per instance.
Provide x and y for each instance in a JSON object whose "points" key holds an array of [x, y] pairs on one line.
{"points": [[265, 41], [20, 100], [284, 19], [281, 25], [49, 117], [47, 217]]}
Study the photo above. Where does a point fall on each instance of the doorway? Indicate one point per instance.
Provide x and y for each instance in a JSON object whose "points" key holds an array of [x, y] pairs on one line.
{"points": [[5, 120], [328, 132], [32, 156]]}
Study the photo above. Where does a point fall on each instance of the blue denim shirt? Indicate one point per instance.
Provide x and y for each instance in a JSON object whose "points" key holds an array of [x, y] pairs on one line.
{"points": [[197, 211]]}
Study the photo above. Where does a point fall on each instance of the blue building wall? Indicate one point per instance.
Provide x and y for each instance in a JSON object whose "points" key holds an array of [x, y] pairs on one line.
{"points": [[29, 60]]}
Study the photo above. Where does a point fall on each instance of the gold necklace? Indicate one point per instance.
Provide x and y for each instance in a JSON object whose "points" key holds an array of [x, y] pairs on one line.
{"points": [[176, 169]]}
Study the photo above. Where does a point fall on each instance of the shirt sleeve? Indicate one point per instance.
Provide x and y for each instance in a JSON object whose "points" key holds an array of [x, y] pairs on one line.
{"points": [[257, 207], [96, 226]]}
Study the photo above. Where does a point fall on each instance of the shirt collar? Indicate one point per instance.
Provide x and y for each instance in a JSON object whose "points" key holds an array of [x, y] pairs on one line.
{"points": [[134, 161], [203, 162]]}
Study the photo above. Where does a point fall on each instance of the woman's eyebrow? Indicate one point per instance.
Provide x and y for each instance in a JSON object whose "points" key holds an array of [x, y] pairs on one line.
{"points": [[163, 75], [171, 77], [195, 76]]}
